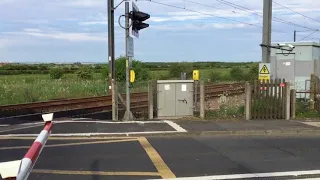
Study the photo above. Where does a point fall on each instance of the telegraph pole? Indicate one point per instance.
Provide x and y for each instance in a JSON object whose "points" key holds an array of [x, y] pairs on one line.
{"points": [[111, 58], [266, 37], [128, 114]]}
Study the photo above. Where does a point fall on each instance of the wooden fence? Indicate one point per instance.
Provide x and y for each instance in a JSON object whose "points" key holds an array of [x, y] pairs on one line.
{"points": [[314, 93], [268, 100]]}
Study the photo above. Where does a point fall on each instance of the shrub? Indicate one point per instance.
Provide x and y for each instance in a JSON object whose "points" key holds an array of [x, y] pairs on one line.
{"points": [[105, 72], [237, 74], [215, 76], [56, 73], [137, 66], [253, 73], [176, 69], [85, 73]]}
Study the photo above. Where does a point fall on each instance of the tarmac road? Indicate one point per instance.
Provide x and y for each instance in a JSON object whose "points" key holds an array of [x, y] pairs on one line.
{"points": [[77, 158]]}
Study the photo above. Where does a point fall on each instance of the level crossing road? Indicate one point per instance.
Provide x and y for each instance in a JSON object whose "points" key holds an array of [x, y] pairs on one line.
{"points": [[203, 157]]}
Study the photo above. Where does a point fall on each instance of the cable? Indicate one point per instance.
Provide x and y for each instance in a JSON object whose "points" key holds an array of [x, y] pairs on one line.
{"points": [[307, 36], [295, 11], [261, 14], [169, 5]]}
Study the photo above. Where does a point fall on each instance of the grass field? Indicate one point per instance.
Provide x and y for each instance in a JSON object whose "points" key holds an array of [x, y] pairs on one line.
{"points": [[17, 89]]}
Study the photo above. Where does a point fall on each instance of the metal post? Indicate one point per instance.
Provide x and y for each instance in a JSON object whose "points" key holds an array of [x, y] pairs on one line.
{"points": [[196, 96], [294, 35], [293, 104], [150, 99], [266, 37], [248, 101], [111, 57], [128, 114], [202, 101], [287, 99]]}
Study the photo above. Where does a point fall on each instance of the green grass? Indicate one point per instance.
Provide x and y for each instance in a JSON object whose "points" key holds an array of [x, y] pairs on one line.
{"points": [[17, 89], [32, 88]]}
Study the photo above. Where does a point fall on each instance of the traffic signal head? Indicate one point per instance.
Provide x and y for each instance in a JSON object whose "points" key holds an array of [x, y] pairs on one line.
{"points": [[137, 17]]}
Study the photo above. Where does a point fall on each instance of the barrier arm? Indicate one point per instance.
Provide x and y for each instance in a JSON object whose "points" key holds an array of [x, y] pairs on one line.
{"points": [[21, 169]]}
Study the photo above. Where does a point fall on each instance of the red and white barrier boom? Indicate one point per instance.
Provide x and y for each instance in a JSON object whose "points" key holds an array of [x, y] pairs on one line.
{"points": [[21, 169]]}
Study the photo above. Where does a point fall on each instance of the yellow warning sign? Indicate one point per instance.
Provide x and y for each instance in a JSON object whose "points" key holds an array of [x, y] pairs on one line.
{"points": [[264, 77], [264, 70]]}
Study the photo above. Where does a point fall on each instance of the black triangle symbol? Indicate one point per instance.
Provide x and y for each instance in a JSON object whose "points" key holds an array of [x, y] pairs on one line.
{"points": [[264, 70]]}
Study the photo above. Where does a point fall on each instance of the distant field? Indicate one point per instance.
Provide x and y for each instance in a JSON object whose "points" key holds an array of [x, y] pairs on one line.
{"points": [[32, 88]]}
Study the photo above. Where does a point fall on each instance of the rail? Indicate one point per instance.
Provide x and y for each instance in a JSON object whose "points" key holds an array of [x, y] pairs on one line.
{"points": [[139, 101]]}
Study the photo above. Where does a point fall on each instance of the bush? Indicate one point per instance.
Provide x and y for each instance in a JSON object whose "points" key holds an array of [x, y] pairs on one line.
{"points": [[105, 72], [237, 74], [215, 76], [176, 69], [137, 66], [253, 73], [56, 73], [85, 73]]}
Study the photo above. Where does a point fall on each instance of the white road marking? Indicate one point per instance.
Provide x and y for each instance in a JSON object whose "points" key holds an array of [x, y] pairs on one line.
{"points": [[111, 122], [315, 124], [175, 126], [91, 134], [4, 125], [253, 175]]}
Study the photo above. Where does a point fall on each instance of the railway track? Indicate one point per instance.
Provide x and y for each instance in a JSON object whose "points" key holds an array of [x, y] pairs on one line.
{"points": [[139, 102]]}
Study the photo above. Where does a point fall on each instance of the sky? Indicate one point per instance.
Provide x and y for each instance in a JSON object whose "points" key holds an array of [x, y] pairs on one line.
{"points": [[66, 31]]}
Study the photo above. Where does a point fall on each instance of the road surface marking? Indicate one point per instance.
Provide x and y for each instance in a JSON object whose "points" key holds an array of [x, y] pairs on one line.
{"points": [[4, 125], [100, 173], [253, 175], [14, 129], [71, 144], [93, 134], [111, 122], [315, 124], [63, 138], [175, 126], [156, 159]]}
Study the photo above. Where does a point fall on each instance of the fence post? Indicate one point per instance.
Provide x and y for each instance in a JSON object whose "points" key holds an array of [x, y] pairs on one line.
{"points": [[293, 103], [312, 91], [150, 99], [248, 100], [287, 101], [202, 100]]}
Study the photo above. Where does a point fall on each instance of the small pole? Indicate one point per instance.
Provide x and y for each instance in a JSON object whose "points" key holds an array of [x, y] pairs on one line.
{"points": [[294, 35], [202, 101], [150, 99], [196, 96], [248, 100], [128, 111], [287, 98], [293, 103]]}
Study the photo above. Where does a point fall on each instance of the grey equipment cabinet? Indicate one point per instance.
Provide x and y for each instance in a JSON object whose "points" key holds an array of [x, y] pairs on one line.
{"points": [[175, 98]]}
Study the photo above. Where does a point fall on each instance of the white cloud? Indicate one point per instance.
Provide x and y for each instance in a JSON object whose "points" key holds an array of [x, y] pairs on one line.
{"points": [[92, 23], [63, 35], [34, 30]]}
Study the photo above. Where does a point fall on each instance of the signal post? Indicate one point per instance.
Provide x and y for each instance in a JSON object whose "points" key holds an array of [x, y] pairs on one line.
{"points": [[137, 17]]}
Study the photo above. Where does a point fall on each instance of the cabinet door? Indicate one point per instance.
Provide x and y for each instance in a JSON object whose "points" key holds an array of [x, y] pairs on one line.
{"points": [[166, 100], [184, 99]]}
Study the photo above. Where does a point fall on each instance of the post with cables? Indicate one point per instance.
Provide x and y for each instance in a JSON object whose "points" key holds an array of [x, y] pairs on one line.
{"points": [[129, 53]]}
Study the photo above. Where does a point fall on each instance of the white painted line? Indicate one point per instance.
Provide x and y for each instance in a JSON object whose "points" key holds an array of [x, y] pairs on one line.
{"points": [[315, 124], [253, 175], [175, 126], [4, 125], [91, 134], [111, 122], [35, 123]]}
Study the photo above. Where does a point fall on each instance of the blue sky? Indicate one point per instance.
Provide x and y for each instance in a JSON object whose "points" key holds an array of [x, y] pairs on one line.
{"points": [[76, 30]]}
